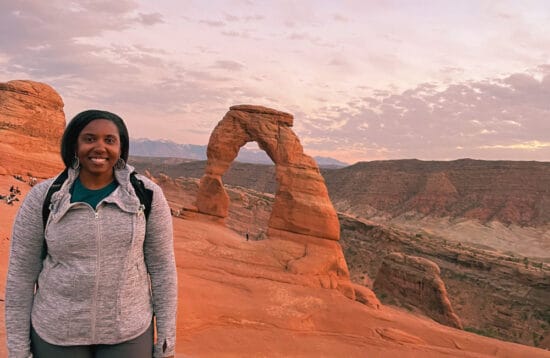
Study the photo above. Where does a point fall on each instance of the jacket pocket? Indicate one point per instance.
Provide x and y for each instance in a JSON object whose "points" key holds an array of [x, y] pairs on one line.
{"points": [[135, 303], [52, 307]]}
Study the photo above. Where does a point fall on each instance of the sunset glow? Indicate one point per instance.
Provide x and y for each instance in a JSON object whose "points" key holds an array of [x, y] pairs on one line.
{"points": [[365, 80]]}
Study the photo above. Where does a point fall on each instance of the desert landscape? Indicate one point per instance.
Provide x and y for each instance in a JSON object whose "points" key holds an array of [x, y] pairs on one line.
{"points": [[361, 266], [488, 237]]}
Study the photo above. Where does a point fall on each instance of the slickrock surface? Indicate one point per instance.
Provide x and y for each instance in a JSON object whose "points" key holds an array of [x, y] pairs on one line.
{"points": [[237, 299], [31, 124], [302, 204], [416, 281]]}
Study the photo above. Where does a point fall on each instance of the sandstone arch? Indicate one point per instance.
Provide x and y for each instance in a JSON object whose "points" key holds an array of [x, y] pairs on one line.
{"points": [[302, 204]]}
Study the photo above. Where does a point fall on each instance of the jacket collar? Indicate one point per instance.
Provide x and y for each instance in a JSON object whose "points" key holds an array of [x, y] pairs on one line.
{"points": [[124, 195]]}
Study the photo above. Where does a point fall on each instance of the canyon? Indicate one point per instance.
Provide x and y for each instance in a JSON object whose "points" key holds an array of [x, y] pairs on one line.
{"points": [[495, 293]]}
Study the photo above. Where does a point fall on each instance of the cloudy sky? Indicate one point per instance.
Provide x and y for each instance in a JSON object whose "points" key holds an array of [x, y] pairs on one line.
{"points": [[365, 80]]}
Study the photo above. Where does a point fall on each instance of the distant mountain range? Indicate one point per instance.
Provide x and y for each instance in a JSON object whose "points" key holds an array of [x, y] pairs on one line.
{"points": [[165, 148]]}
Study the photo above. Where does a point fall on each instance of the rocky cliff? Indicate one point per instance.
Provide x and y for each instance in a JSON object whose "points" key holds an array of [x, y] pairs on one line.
{"points": [[415, 282], [493, 294], [505, 191], [31, 124]]}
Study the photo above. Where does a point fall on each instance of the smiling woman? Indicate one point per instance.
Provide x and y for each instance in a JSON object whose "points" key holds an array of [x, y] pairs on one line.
{"points": [[98, 152], [86, 282]]}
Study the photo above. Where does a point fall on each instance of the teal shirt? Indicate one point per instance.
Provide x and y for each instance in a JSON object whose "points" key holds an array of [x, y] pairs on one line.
{"points": [[79, 193]]}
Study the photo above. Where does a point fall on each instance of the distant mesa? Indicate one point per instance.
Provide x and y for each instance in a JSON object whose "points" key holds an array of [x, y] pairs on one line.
{"points": [[302, 204], [509, 192], [31, 123], [416, 281]]}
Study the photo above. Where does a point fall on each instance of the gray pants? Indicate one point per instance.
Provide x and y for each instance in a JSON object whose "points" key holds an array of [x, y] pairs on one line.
{"points": [[140, 347]]}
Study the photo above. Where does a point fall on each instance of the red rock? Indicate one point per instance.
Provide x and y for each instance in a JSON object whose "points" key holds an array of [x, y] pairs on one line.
{"points": [[416, 281], [366, 296], [32, 122], [302, 204]]}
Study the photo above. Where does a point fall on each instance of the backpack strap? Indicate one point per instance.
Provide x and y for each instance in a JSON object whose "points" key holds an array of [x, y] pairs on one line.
{"points": [[56, 185], [145, 195]]}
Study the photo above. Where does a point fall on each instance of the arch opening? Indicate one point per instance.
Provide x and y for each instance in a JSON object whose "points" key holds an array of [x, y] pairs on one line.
{"points": [[301, 203], [251, 186]]}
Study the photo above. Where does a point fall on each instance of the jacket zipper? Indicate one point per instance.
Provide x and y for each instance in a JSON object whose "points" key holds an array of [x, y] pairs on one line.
{"points": [[96, 289]]}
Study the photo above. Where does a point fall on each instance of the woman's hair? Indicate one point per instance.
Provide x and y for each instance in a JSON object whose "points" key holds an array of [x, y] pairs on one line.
{"points": [[81, 120]]}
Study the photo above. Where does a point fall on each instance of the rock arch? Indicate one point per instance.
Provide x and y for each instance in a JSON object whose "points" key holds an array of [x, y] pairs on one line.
{"points": [[302, 204]]}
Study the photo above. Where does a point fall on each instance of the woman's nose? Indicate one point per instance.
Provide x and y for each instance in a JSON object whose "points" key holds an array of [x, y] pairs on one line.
{"points": [[100, 146]]}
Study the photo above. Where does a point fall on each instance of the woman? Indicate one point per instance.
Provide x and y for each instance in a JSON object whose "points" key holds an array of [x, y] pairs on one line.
{"points": [[107, 267]]}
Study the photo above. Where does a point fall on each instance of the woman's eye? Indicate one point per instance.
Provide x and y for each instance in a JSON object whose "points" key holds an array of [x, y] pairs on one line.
{"points": [[110, 140], [89, 139]]}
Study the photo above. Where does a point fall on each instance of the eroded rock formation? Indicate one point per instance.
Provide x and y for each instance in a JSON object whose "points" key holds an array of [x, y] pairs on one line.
{"points": [[31, 124], [303, 226], [416, 281], [302, 204]]}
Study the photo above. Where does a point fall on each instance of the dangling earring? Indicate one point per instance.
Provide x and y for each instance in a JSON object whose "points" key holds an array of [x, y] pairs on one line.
{"points": [[76, 163], [120, 164]]}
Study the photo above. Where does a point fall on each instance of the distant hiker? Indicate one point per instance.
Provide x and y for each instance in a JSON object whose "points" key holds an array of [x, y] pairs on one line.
{"points": [[247, 236], [105, 263]]}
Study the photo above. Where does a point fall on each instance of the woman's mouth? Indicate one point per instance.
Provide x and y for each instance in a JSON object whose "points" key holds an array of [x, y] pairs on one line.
{"points": [[98, 160]]}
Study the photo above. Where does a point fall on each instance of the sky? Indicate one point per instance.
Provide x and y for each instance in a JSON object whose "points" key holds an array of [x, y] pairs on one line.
{"points": [[365, 80]]}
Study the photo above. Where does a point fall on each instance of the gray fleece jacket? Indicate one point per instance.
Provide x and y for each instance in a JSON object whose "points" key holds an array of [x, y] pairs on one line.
{"points": [[106, 272]]}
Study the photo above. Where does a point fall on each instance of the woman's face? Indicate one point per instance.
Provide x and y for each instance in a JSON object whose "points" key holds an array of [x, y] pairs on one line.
{"points": [[98, 148]]}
